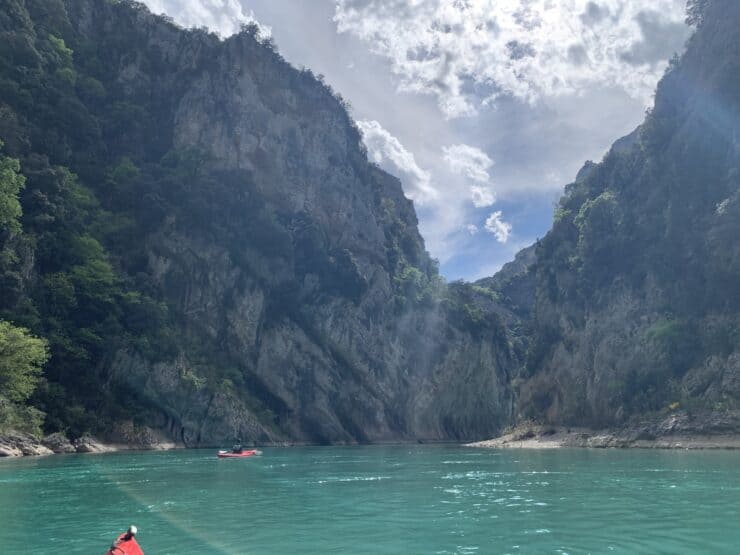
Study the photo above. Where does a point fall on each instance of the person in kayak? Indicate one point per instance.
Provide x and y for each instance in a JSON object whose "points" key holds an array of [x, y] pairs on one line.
{"points": [[237, 449], [126, 544]]}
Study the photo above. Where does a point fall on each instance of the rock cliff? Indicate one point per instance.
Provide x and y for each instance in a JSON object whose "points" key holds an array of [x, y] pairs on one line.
{"points": [[638, 284], [210, 254], [268, 282]]}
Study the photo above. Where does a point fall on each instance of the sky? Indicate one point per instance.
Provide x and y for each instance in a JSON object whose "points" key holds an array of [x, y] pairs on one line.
{"points": [[485, 109]]}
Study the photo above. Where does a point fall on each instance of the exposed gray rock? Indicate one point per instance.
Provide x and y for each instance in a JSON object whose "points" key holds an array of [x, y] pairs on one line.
{"points": [[131, 436], [16, 444], [58, 443], [679, 430], [88, 444]]}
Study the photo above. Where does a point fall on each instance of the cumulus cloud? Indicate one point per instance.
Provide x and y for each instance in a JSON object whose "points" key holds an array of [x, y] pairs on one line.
{"points": [[469, 52], [472, 163], [472, 229], [496, 225], [224, 17], [386, 150], [482, 197], [468, 160]]}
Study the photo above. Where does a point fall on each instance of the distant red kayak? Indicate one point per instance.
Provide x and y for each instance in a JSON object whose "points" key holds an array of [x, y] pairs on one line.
{"points": [[232, 455]]}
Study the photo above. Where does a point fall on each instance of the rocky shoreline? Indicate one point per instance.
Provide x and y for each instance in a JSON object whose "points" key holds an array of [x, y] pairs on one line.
{"points": [[677, 431], [18, 444], [711, 430]]}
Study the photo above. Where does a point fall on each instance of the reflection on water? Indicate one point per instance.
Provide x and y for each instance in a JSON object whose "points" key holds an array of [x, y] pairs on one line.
{"points": [[384, 500]]}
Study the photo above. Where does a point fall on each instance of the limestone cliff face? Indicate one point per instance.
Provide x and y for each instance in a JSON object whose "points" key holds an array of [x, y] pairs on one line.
{"points": [[636, 309], [307, 307], [210, 253]]}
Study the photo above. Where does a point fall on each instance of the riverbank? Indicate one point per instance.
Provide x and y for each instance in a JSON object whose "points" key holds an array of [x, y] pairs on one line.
{"points": [[708, 430], [677, 431], [18, 444]]}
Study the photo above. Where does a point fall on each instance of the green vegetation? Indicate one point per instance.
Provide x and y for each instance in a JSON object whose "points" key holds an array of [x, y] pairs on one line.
{"points": [[97, 178], [416, 287], [487, 292], [677, 344], [22, 357], [11, 183]]}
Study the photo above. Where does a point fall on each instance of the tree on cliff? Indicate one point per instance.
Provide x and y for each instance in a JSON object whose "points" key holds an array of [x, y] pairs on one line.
{"points": [[22, 357], [11, 183]]}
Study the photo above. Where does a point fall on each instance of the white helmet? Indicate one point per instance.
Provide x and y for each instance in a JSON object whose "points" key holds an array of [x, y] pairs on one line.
{"points": [[132, 530]]}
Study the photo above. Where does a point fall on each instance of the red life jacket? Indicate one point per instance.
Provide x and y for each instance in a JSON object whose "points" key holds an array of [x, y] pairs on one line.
{"points": [[123, 546]]}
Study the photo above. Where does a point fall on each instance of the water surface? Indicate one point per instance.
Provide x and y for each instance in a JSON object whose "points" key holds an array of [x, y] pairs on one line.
{"points": [[379, 500]]}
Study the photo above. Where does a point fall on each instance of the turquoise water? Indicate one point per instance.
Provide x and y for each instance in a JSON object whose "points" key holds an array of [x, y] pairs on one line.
{"points": [[384, 500]]}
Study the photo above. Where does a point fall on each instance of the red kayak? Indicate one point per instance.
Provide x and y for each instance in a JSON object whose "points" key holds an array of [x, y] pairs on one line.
{"points": [[232, 455]]}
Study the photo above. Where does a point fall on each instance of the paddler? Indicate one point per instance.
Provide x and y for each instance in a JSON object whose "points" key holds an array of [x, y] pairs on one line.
{"points": [[237, 449], [126, 544]]}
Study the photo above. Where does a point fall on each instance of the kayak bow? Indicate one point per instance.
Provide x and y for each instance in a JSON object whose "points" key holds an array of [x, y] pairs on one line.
{"points": [[125, 545]]}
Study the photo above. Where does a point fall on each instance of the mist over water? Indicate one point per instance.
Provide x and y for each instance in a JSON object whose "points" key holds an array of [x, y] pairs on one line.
{"points": [[380, 500]]}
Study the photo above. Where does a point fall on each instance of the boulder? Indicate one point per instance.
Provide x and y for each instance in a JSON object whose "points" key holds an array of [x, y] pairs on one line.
{"points": [[88, 444], [16, 444], [58, 443]]}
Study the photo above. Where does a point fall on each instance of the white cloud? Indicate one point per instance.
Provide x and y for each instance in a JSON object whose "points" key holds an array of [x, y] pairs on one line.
{"points": [[482, 197], [472, 163], [469, 161], [500, 228], [468, 52], [224, 17], [472, 229], [386, 150]]}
